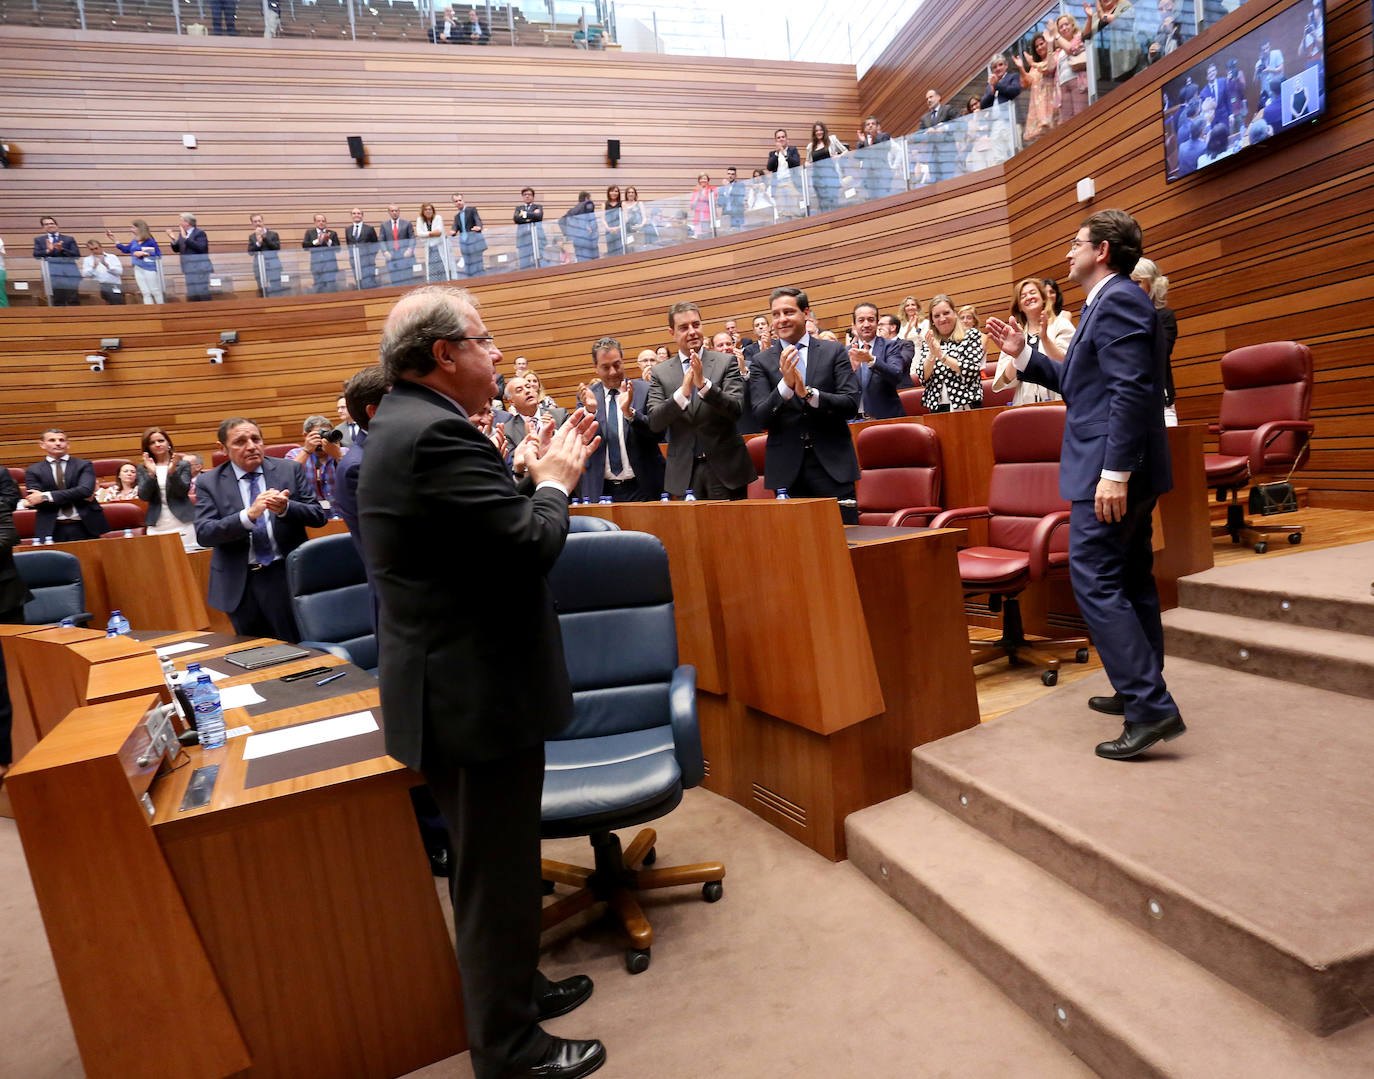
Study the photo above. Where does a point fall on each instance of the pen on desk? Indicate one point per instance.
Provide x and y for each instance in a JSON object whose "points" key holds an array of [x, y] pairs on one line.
{"points": [[331, 678]]}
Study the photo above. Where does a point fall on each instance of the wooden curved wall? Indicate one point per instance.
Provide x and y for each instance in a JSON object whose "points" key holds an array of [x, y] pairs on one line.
{"points": [[99, 133], [1272, 246]]}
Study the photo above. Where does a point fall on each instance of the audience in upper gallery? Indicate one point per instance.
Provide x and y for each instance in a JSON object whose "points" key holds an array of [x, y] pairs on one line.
{"points": [[1146, 274], [362, 249], [578, 226], [191, 243], [319, 457], [949, 363], [1112, 25], [1003, 84], [823, 153], [732, 198], [164, 483], [1032, 309], [124, 488], [700, 205], [1038, 70], [62, 489], [612, 211], [265, 247], [429, 236], [61, 253], [321, 241], [146, 256], [107, 271], [635, 226], [529, 234], [1071, 66], [783, 159], [1169, 36]]}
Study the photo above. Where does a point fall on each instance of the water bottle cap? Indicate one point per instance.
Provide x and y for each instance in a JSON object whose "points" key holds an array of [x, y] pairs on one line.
{"points": [[205, 679]]}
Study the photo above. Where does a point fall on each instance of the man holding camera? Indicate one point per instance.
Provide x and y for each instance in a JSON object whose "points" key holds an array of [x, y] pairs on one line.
{"points": [[319, 457]]}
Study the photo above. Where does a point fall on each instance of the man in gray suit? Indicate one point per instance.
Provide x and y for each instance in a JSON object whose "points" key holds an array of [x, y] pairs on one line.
{"points": [[526, 416], [697, 397]]}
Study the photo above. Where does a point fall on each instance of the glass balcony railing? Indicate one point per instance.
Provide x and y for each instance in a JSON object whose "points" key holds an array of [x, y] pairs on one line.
{"points": [[228, 270]]}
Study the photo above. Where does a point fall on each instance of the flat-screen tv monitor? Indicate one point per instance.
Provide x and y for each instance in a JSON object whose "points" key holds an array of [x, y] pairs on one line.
{"points": [[1248, 92]]}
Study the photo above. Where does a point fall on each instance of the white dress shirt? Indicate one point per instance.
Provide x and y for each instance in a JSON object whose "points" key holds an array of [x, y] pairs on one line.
{"points": [[804, 348], [245, 486], [66, 513]]}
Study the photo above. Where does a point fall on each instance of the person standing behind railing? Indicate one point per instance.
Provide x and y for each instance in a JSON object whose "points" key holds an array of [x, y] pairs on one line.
{"points": [[429, 232], [64, 275], [1003, 84], [702, 204], [823, 153], [4, 296], [1112, 23], [265, 247], [107, 271], [1037, 72], [146, 255], [1071, 66], [612, 212]]}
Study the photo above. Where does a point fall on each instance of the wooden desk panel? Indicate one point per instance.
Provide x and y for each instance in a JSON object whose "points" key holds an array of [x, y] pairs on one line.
{"points": [[200, 569]]}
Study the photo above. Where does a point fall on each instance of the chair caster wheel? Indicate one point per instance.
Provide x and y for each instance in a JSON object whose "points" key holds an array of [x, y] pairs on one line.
{"points": [[1261, 547], [1081, 656], [651, 857], [1049, 677], [712, 890], [1295, 537], [548, 887], [637, 960]]}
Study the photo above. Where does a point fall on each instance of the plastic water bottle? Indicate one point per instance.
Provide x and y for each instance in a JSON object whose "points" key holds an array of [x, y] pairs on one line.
{"points": [[607, 500], [665, 497], [781, 494], [575, 501], [67, 623], [209, 713], [690, 496], [117, 626], [47, 541], [128, 533]]}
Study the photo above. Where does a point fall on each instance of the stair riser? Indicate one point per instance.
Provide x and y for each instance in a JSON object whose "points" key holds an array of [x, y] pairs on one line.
{"points": [[1312, 999], [1312, 612], [1099, 1047], [1336, 673]]}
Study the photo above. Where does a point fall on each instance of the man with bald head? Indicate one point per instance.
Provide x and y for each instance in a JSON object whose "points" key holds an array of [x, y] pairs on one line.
{"points": [[441, 518], [362, 250]]}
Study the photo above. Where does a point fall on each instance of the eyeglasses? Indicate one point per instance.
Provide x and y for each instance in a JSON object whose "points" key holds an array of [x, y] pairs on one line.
{"points": [[1073, 244], [490, 341]]}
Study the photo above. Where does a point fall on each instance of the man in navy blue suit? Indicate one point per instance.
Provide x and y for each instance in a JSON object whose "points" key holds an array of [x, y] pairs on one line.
{"points": [[62, 489], [253, 510], [1113, 467], [64, 277], [880, 361], [627, 465]]}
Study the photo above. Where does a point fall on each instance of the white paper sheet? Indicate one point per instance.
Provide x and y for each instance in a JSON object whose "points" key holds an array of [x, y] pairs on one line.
{"points": [[215, 676], [269, 743], [238, 697], [237, 731], [168, 650]]}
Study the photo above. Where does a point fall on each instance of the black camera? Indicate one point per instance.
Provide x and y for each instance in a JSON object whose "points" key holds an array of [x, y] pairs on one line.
{"points": [[334, 434]]}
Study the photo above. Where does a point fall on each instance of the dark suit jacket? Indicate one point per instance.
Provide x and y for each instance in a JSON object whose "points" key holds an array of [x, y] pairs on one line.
{"points": [[891, 363], [407, 231], [711, 417], [80, 493], [366, 235], [516, 429], [194, 250], [309, 242], [61, 268], [1008, 89], [641, 446], [218, 504], [793, 159], [943, 114], [14, 593], [1112, 382], [791, 423], [346, 488], [178, 493], [270, 242], [468, 240], [441, 518]]}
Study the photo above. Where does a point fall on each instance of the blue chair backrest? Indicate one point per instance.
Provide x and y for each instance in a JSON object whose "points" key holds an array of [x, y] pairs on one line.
{"points": [[580, 522], [330, 597], [615, 609], [54, 578]]}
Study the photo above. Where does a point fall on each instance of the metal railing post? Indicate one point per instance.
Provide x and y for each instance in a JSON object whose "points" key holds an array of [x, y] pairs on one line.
{"points": [[176, 16], [81, 12]]}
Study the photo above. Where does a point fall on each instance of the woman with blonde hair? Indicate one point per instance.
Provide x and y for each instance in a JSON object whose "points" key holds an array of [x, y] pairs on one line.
{"points": [[949, 363], [1032, 309], [143, 250], [1071, 65], [968, 315], [1146, 274], [914, 322]]}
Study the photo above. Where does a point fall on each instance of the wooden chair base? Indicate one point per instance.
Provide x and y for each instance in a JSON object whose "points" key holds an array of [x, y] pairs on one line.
{"points": [[1016, 646], [617, 879]]}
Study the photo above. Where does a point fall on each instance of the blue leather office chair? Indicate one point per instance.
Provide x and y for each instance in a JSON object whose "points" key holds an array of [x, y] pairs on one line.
{"points": [[583, 522], [54, 578], [633, 745], [331, 601]]}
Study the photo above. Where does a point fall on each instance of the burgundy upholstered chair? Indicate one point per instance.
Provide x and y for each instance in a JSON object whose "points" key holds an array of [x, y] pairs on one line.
{"points": [[911, 401], [1263, 432], [122, 515], [1028, 535], [900, 466], [107, 468], [17, 474], [280, 450], [757, 445], [992, 398]]}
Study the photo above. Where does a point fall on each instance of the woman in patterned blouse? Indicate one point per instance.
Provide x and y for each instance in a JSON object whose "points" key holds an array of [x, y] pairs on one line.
{"points": [[949, 365]]}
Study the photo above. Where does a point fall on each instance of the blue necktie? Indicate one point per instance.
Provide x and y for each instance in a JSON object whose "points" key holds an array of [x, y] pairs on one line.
{"points": [[612, 434], [801, 360], [261, 541]]}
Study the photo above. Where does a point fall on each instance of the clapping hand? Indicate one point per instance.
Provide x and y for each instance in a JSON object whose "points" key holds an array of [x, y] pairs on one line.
{"points": [[277, 500], [625, 400], [587, 397], [858, 356], [148, 461], [791, 376], [564, 457], [1007, 336]]}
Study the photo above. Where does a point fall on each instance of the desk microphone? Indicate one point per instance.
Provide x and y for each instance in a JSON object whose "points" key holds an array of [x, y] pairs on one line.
{"points": [[189, 737]]}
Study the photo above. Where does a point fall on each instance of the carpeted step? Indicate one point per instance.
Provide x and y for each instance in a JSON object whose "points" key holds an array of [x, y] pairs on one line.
{"points": [[1242, 845], [1327, 589], [1126, 1004], [1329, 658]]}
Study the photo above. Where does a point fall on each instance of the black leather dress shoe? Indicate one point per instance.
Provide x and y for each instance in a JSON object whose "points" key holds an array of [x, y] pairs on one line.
{"points": [[1136, 738], [1115, 705], [562, 997], [564, 1059]]}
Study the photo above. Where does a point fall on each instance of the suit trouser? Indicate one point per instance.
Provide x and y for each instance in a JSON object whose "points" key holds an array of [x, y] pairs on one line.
{"points": [[265, 609], [705, 484], [1112, 570], [492, 810], [813, 481], [8, 618]]}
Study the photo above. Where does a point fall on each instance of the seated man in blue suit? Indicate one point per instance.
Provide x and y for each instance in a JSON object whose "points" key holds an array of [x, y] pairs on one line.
{"points": [[627, 465], [881, 362], [1113, 467], [253, 510]]}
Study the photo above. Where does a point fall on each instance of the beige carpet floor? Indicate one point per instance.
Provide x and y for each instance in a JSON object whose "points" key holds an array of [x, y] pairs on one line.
{"points": [[803, 970]]}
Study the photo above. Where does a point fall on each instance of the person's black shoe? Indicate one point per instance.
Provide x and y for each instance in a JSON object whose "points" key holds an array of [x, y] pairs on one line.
{"points": [[1115, 705], [1136, 738], [562, 997], [564, 1059]]}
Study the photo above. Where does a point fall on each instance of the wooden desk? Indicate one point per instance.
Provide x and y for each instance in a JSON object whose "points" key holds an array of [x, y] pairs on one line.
{"points": [[294, 924], [833, 661]]}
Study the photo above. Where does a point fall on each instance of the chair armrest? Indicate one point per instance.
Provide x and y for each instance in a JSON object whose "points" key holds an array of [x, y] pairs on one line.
{"points": [[1266, 433], [682, 712], [1040, 542], [963, 513], [1214, 428], [333, 649], [911, 511]]}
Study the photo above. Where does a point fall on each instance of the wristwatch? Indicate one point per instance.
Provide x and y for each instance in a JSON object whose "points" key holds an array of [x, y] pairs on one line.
{"points": [[811, 392]]}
